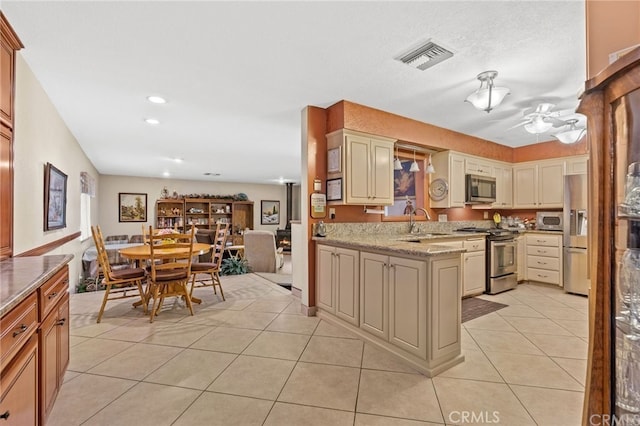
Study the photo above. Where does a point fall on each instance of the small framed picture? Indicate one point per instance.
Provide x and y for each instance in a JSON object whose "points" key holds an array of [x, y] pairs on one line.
{"points": [[269, 212], [334, 189], [132, 207], [55, 198], [334, 160]]}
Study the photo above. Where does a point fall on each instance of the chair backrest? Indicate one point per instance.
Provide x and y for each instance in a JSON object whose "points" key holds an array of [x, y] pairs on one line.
{"points": [[260, 250], [103, 258], [171, 251], [136, 239], [219, 243]]}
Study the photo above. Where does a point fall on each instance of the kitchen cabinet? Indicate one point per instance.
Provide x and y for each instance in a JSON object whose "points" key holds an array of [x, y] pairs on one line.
{"points": [[450, 166], [576, 165], [19, 387], [374, 290], [338, 283], [366, 167], [521, 266], [169, 213], [544, 258], [474, 267], [477, 166], [504, 186], [538, 184]]}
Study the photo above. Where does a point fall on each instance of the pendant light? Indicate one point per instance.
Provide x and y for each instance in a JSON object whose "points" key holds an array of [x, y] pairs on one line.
{"points": [[430, 170], [397, 165], [488, 96], [414, 165], [572, 135]]}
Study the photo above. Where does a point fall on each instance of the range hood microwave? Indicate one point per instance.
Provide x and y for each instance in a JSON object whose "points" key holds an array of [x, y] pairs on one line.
{"points": [[480, 189]]}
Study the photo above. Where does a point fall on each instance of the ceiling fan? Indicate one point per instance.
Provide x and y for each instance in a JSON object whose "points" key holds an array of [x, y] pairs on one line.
{"points": [[543, 118]]}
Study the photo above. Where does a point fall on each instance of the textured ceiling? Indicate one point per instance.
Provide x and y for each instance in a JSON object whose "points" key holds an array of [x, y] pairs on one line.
{"points": [[237, 74]]}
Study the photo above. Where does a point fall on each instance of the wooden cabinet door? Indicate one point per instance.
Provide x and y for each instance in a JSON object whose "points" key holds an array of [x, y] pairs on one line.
{"points": [[551, 184], [408, 305], [6, 192], [382, 172], [474, 281], [324, 278], [358, 170], [63, 337], [374, 290], [19, 387], [48, 364], [525, 194], [347, 285], [6, 82], [444, 306], [456, 181]]}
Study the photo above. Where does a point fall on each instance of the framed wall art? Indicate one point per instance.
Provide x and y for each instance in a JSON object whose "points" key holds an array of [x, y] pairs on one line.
{"points": [[132, 207], [269, 212], [55, 198]]}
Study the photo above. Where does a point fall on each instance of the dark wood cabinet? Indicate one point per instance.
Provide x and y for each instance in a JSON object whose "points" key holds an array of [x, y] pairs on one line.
{"points": [[19, 387]]}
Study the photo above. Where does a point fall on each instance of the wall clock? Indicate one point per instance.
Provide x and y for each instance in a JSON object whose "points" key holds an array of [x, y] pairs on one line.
{"points": [[438, 189]]}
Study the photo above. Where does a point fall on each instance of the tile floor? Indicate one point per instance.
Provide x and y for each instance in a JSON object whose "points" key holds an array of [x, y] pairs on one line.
{"points": [[253, 360]]}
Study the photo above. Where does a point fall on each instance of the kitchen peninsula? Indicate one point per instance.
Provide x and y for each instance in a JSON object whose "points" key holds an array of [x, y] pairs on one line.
{"points": [[401, 292]]}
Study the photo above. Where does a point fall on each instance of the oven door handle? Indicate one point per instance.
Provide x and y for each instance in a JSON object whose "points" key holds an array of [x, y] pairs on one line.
{"points": [[503, 244]]}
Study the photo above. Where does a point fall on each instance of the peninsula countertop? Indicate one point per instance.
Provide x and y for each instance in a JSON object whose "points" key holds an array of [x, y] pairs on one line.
{"points": [[20, 276]]}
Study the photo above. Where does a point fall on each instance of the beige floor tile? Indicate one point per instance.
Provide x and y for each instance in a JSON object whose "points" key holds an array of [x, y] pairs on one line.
{"points": [[252, 320], [191, 368], [72, 407], [537, 325], [226, 339], [275, 306], [532, 370], [467, 341], [577, 368], [476, 366], [146, 404], [491, 321], [76, 340], [134, 331], [409, 396], [254, 377], [294, 324], [519, 311], [330, 330], [505, 298], [371, 420], [504, 341], [178, 334], [551, 407], [215, 409], [377, 359], [273, 344], [94, 352], [333, 350], [563, 313], [488, 402], [541, 301], [136, 362], [70, 375], [85, 326], [327, 386], [578, 328], [291, 414], [293, 308], [210, 317], [560, 346], [231, 304]]}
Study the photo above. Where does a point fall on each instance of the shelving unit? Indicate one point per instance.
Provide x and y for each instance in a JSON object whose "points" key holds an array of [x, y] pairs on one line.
{"points": [[170, 213], [196, 212]]}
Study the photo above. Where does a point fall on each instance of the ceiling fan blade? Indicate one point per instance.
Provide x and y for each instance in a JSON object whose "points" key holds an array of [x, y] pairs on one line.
{"points": [[519, 124], [557, 122]]}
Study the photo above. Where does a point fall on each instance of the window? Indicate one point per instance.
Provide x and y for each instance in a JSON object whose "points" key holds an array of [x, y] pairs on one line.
{"points": [[85, 216]]}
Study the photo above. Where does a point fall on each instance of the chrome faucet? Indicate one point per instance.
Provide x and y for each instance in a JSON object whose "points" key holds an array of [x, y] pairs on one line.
{"points": [[412, 223]]}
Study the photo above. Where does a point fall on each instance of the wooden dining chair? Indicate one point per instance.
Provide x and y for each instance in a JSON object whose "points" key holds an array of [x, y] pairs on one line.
{"points": [[170, 268], [120, 283], [211, 268]]}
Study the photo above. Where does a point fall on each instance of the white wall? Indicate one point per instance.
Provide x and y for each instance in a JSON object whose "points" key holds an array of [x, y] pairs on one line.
{"points": [[111, 186], [41, 136]]}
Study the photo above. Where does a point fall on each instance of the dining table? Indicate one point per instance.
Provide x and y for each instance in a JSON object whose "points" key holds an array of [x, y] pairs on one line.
{"points": [[142, 252]]}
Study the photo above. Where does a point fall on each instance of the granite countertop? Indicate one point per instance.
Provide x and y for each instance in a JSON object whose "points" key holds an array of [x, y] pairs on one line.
{"points": [[20, 276]]}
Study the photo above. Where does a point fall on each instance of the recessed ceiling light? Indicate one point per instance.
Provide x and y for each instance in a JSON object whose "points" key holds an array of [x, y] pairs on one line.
{"points": [[153, 121], [211, 174], [178, 160], [281, 180], [166, 174], [156, 100]]}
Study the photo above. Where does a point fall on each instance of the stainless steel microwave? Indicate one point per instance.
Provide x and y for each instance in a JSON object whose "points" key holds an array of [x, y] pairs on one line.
{"points": [[480, 189], [549, 221]]}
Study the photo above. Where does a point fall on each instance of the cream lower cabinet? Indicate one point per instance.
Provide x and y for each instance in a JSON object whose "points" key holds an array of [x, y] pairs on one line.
{"points": [[444, 307], [337, 282], [474, 267], [521, 266], [544, 258]]}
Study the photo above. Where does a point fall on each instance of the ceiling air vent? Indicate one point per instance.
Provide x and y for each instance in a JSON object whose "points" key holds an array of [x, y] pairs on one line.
{"points": [[425, 55]]}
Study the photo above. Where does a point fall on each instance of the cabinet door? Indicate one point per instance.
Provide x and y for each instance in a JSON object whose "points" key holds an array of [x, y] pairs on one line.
{"points": [[474, 280], [347, 285], [408, 305], [382, 171], [48, 364], [444, 306], [63, 337], [504, 187], [19, 387], [551, 184], [456, 181], [6, 81], [473, 166], [576, 165], [525, 193], [358, 170], [324, 278], [522, 267], [374, 289], [6, 192]]}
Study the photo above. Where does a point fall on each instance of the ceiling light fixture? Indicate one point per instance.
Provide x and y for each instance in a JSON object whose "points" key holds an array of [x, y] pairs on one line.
{"points": [[397, 165], [156, 100], [152, 121], [430, 170], [573, 134], [488, 96], [538, 125], [414, 166], [166, 174]]}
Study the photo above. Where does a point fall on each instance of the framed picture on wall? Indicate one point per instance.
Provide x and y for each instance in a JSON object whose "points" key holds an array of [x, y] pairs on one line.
{"points": [[55, 198], [132, 207], [269, 212]]}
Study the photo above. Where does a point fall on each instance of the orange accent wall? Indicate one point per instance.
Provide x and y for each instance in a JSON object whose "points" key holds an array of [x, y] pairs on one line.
{"points": [[611, 25], [550, 149]]}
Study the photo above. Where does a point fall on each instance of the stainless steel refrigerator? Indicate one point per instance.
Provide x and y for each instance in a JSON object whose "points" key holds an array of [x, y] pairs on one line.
{"points": [[575, 259]]}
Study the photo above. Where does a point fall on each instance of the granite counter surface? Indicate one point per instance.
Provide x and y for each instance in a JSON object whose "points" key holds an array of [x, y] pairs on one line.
{"points": [[20, 276]]}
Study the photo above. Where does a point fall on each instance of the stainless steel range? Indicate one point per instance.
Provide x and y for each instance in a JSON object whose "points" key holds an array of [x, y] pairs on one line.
{"points": [[502, 258]]}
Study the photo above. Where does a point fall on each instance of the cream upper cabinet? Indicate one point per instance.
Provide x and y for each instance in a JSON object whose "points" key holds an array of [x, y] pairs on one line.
{"points": [[476, 166], [366, 167], [504, 186], [577, 165], [449, 166], [538, 184]]}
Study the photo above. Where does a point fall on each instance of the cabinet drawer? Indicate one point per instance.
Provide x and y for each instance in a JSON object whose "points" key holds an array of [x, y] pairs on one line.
{"points": [[52, 291], [18, 382], [541, 262], [17, 326], [543, 251], [551, 277], [474, 245], [543, 240]]}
